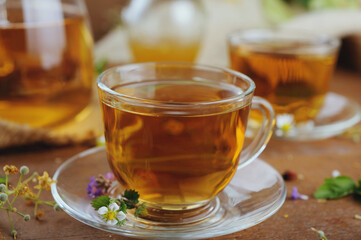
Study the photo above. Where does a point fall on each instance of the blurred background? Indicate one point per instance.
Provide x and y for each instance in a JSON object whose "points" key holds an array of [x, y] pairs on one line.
{"points": [[128, 31], [105, 15], [334, 17]]}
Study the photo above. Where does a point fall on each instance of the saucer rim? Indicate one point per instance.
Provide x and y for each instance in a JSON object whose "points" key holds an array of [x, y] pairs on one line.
{"points": [[71, 211], [329, 130]]}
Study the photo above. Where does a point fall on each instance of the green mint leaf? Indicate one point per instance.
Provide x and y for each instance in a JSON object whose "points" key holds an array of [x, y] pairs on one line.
{"points": [[102, 201], [123, 207], [358, 189], [132, 196], [2, 180], [100, 66], [335, 188], [141, 210]]}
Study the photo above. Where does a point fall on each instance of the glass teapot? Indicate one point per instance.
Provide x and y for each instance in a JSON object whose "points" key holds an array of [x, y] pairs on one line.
{"points": [[164, 30], [46, 63]]}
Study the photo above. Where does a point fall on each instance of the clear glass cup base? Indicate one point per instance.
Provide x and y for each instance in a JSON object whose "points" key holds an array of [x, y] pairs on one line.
{"points": [[254, 194], [164, 217], [337, 115]]}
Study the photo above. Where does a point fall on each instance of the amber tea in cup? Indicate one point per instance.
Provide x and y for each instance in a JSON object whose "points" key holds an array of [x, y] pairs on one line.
{"points": [[46, 68], [175, 132], [291, 69]]}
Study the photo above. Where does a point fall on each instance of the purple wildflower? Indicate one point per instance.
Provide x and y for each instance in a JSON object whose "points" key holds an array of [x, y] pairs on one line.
{"points": [[92, 189], [100, 185], [109, 176], [296, 195]]}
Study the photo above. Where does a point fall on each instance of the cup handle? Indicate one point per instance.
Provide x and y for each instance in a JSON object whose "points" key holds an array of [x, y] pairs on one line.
{"points": [[258, 144]]}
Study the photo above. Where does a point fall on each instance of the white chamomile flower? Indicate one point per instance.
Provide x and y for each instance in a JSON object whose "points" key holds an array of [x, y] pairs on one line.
{"points": [[101, 141], [284, 123], [111, 214], [336, 173]]}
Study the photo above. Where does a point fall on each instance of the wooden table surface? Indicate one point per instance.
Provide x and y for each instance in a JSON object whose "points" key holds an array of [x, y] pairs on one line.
{"points": [[314, 160]]}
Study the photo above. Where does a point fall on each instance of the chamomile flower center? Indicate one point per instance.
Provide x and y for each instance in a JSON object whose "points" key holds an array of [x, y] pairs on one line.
{"points": [[110, 215], [286, 127], [284, 124]]}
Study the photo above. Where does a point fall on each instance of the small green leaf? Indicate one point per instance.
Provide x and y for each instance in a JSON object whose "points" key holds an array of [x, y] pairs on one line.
{"points": [[123, 207], [120, 223], [132, 196], [141, 210], [335, 188], [100, 66], [2, 180], [102, 201]]}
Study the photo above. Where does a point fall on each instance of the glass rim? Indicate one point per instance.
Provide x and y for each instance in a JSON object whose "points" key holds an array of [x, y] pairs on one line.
{"points": [[316, 37], [243, 96]]}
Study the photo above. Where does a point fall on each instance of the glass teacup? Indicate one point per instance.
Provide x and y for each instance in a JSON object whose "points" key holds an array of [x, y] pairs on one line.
{"points": [[175, 133], [291, 69]]}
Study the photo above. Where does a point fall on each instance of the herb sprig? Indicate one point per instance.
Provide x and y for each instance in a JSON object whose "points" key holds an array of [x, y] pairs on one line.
{"points": [[320, 234], [113, 210], [2, 180], [9, 194]]}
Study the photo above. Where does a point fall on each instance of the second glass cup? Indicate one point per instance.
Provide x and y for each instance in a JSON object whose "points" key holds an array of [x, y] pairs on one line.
{"points": [[291, 69], [175, 132]]}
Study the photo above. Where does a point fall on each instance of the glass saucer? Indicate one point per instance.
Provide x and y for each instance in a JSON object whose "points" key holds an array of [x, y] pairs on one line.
{"points": [[255, 193], [337, 114]]}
